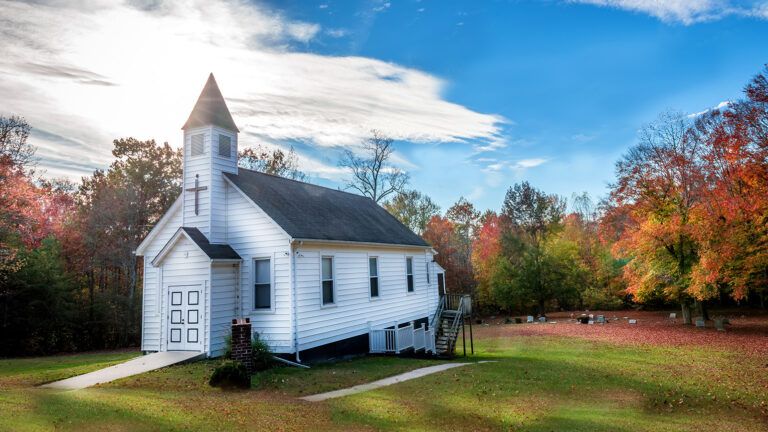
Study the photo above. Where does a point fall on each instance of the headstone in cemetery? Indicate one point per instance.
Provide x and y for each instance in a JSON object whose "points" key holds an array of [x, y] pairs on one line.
{"points": [[720, 323], [673, 316], [601, 319], [583, 319], [700, 323], [590, 322], [543, 319], [529, 319], [591, 316], [633, 321]]}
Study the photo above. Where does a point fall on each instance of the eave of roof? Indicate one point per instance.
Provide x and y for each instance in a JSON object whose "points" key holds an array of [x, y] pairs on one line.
{"points": [[214, 251]]}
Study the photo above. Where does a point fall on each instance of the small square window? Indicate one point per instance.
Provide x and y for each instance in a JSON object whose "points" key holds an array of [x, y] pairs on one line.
{"points": [[225, 146], [198, 145]]}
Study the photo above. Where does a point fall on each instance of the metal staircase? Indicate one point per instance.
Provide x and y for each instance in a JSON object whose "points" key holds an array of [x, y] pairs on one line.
{"points": [[448, 321]]}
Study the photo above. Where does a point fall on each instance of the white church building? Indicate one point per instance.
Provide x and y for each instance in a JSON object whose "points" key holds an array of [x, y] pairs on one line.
{"points": [[313, 268]]}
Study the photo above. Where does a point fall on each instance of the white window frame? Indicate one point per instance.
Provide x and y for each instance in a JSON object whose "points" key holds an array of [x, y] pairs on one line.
{"points": [[378, 278], [324, 305], [253, 307], [413, 278]]}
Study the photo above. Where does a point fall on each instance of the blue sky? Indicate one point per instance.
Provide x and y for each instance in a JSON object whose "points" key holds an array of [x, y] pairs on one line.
{"points": [[574, 81], [479, 95]]}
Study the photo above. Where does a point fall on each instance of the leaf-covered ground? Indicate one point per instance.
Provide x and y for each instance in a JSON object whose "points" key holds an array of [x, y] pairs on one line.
{"points": [[655, 376]]}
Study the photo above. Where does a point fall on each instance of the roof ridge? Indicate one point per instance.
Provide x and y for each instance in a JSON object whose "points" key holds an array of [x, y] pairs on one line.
{"points": [[305, 183]]}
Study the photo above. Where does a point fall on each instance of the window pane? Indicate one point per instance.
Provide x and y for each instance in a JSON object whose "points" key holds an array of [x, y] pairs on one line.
{"points": [[262, 271], [409, 265], [374, 287], [410, 283], [374, 270], [262, 295], [327, 292], [327, 268]]}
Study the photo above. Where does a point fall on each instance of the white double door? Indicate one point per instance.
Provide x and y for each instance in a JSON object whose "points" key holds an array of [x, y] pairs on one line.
{"points": [[185, 317]]}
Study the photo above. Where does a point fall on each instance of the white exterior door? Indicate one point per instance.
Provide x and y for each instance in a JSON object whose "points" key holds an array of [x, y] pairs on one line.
{"points": [[185, 317]]}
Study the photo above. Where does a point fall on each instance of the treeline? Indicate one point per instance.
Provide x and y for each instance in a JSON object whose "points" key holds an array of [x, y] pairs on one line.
{"points": [[69, 280], [686, 223]]}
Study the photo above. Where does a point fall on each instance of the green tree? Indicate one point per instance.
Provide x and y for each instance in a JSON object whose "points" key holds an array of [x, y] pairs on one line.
{"points": [[413, 209], [534, 271], [275, 162]]}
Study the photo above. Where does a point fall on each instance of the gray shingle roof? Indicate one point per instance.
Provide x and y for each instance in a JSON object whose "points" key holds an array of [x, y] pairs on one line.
{"points": [[307, 211], [210, 109], [214, 251]]}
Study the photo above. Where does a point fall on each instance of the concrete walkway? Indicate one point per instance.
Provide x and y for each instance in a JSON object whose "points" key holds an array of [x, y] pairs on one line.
{"points": [[418, 373], [132, 367]]}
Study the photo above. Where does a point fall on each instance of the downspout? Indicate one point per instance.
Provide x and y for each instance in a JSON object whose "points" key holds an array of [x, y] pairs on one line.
{"points": [[294, 255]]}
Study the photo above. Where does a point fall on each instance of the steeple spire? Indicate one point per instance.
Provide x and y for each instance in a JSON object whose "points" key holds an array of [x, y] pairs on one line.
{"points": [[210, 109]]}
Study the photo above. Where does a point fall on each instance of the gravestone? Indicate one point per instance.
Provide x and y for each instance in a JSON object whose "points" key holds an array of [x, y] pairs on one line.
{"points": [[633, 321], [673, 316], [700, 323], [543, 319], [529, 319], [720, 323], [591, 322], [601, 319], [583, 319]]}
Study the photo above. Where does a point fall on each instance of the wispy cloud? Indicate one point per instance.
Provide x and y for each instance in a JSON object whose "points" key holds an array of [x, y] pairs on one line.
{"points": [[88, 72], [719, 106], [687, 11]]}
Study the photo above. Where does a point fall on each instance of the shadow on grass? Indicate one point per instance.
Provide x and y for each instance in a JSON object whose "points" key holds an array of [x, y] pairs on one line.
{"points": [[566, 391]]}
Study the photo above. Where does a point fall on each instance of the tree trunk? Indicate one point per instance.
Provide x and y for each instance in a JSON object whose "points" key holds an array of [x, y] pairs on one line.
{"points": [[686, 313], [701, 310]]}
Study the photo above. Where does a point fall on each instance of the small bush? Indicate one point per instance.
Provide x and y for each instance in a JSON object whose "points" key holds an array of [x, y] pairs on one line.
{"points": [[262, 355], [229, 375]]}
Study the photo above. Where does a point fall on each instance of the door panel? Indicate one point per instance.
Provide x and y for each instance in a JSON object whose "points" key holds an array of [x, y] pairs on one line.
{"points": [[185, 316]]}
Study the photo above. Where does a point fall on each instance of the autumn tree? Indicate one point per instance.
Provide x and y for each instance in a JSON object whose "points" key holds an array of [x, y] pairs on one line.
{"points": [[413, 209], [117, 209], [14, 132], [486, 255], [732, 219], [275, 162], [373, 174], [659, 183]]}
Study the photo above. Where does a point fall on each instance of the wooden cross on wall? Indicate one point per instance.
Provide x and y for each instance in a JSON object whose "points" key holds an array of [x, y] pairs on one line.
{"points": [[196, 190]]}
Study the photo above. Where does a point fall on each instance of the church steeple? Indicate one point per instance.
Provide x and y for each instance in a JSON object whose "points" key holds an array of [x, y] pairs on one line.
{"points": [[210, 150], [210, 109]]}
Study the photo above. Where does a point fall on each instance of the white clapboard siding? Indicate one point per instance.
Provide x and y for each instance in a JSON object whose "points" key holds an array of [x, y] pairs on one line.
{"points": [[223, 304], [353, 308], [197, 166], [152, 294], [186, 264], [254, 235], [220, 165]]}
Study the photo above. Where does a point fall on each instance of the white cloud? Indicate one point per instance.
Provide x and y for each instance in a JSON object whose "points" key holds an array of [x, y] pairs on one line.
{"points": [[686, 11], [382, 7], [336, 33], [719, 106], [86, 73], [528, 163]]}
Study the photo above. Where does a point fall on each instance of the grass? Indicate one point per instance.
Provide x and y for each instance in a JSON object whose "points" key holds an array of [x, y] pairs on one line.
{"points": [[537, 383]]}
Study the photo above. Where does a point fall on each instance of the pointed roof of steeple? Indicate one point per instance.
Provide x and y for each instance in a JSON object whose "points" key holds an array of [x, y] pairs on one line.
{"points": [[210, 109]]}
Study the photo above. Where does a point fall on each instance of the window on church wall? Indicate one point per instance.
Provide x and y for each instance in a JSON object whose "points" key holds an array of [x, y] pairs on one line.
{"points": [[409, 272], [327, 280], [262, 283], [197, 147], [225, 146]]}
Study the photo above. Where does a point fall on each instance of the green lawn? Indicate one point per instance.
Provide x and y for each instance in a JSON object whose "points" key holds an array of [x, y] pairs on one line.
{"points": [[542, 383]]}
